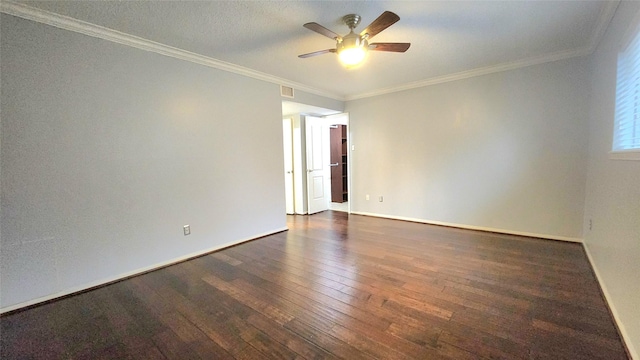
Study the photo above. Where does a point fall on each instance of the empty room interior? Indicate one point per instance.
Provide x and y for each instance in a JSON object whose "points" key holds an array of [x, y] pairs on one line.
{"points": [[168, 189]]}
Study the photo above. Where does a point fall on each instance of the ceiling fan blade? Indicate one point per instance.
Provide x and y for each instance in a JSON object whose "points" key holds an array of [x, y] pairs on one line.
{"points": [[316, 53], [382, 22], [322, 30], [394, 47]]}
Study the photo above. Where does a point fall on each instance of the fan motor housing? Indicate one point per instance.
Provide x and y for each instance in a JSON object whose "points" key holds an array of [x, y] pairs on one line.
{"points": [[350, 41]]}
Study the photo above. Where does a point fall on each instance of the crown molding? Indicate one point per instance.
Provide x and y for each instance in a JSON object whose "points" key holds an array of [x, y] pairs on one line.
{"points": [[67, 23], [607, 12], [512, 65], [64, 22], [604, 19]]}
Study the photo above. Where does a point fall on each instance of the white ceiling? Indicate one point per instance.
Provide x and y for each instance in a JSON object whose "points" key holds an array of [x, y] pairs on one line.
{"points": [[450, 39]]}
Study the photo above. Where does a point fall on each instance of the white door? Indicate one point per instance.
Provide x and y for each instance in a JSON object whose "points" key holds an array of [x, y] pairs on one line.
{"points": [[287, 137], [318, 173]]}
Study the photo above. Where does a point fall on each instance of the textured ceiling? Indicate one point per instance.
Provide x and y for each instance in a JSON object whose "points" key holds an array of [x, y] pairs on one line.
{"points": [[447, 37]]}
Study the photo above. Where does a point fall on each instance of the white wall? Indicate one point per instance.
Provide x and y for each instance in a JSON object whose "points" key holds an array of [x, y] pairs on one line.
{"points": [[107, 151], [505, 151], [613, 191]]}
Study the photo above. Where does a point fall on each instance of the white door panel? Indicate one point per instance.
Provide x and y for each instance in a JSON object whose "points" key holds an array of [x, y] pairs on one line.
{"points": [[318, 187], [318, 174]]}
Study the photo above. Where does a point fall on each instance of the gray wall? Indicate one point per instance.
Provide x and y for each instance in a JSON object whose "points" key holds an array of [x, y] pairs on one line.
{"points": [[505, 151], [314, 100], [107, 151], [613, 190]]}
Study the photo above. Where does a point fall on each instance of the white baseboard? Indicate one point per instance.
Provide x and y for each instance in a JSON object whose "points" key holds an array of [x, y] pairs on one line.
{"points": [[632, 351], [134, 272], [471, 227]]}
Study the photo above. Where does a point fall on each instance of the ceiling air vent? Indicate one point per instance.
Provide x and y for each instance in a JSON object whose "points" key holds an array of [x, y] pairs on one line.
{"points": [[286, 91]]}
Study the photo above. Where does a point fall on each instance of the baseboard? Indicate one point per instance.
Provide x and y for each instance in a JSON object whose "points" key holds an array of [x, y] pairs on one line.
{"points": [[471, 227], [119, 277], [632, 352]]}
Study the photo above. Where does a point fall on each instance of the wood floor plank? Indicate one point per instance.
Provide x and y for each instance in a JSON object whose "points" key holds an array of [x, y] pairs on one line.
{"points": [[220, 327], [326, 305], [336, 346], [339, 286], [516, 330], [287, 338], [258, 304], [172, 348]]}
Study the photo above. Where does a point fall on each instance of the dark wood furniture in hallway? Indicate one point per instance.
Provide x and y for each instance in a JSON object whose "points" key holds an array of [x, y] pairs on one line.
{"points": [[339, 286], [338, 157]]}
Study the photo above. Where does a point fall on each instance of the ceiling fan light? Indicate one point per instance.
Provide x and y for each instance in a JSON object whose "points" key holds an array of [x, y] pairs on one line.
{"points": [[352, 56], [352, 48]]}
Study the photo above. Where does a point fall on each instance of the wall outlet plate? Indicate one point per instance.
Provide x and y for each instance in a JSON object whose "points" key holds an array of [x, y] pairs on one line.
{"points": [[186, 229]]}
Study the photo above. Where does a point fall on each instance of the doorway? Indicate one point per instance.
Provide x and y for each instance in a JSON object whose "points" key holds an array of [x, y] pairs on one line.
{"points": [[339, 161], [307, 160]]}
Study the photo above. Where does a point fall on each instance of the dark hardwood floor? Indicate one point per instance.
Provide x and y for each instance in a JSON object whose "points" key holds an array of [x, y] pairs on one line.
{"points": [[339, 286]]}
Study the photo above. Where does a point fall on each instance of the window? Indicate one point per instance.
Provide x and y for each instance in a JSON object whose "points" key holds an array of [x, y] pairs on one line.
{"points": [[626, 133]]}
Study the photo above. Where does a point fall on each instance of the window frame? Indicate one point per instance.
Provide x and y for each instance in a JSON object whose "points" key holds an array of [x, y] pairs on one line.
{"points": [[632, 35]]}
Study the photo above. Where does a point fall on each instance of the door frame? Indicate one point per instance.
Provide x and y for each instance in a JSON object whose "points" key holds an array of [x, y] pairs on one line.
{"points": [[289, 180], [297, 112], [343, 119]]}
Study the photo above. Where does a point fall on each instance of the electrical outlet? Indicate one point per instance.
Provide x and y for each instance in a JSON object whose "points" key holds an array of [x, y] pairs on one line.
{"points": [[590, 224], [380, 198], [366, 197], [186, 229]]}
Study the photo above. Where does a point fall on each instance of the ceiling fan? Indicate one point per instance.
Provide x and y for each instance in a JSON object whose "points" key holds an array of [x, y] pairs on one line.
{"points": [[352, 48]]}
